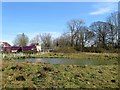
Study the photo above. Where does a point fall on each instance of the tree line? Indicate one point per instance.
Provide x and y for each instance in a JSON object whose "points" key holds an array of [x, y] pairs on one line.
{"points": [[99, 35]]}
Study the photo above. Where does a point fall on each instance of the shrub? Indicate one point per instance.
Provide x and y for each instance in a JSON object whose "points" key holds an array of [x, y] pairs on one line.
{"points": [[65, 50], [30, 51]]}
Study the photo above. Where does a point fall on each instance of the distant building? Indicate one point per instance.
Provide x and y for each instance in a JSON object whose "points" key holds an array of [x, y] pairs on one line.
{"points": [[4, 44], [19, 48], [38, 47]]}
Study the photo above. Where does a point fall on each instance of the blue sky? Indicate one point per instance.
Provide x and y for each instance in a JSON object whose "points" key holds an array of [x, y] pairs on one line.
{"points": [[49, 17]]}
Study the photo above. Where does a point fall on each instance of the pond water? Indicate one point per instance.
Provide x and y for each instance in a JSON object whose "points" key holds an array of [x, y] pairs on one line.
{"points": [[67, 61]]}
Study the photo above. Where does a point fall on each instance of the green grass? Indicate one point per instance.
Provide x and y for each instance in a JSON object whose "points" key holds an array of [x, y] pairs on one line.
{"points": [[83, 56], [80, 56], [39, 75]]}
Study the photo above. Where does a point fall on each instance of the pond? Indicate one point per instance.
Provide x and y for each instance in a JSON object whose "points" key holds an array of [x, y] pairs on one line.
{"points": [[68, 61]]}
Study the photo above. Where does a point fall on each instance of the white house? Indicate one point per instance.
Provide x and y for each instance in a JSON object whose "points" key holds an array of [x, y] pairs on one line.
{"points": [[38, 47]]}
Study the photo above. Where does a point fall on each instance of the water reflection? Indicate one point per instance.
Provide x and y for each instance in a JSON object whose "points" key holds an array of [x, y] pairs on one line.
{"points": [[68, 61]]}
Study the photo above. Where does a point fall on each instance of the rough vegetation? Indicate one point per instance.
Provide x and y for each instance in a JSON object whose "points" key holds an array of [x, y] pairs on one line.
{"points": [[39, 75], [81, 56]]}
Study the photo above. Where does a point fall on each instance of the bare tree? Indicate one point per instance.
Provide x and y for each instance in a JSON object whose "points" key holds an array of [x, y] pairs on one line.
{"points": [[113, 26], [74, 25], [101, 29], [36, 39], [88, 36], [63, 40], [80, 34], [46, 38], [21, 40]]}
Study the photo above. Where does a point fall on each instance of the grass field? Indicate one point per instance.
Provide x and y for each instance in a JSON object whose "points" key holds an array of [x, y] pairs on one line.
{"points": [[40, 75], [80, 56]]}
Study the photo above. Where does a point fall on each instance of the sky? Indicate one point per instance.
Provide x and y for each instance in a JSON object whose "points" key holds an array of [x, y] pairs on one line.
{"points": [[33, 18]]}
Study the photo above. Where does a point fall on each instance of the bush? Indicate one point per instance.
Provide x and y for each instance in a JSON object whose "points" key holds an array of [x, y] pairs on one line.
{"points": [[101, 50], [94, 49], [65, 50], [30, 51]]}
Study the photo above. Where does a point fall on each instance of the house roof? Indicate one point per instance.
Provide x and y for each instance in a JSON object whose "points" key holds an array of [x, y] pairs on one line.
{"points": [[19, 47], [5, 44]]}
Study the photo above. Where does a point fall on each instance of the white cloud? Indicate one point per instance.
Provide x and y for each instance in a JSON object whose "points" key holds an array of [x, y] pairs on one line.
{"points": [[100, 11], [53, 34], [104, 8]]}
